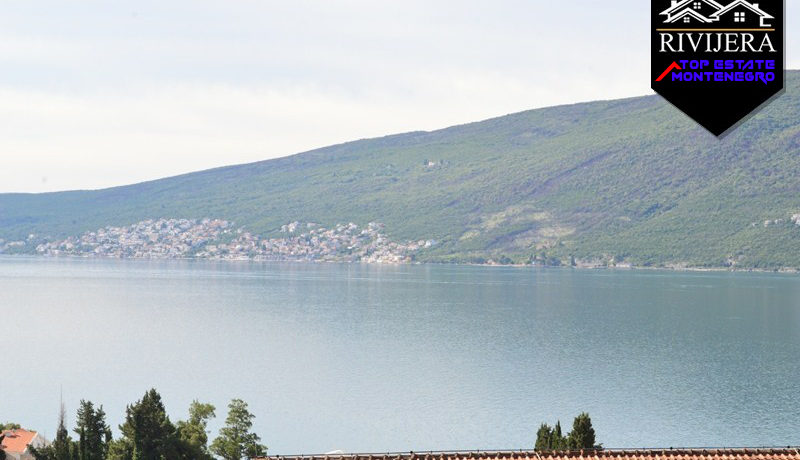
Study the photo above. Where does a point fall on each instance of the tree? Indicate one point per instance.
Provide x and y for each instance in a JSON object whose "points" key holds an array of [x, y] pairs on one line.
{"points": [[147, 433], [550, 438], [192, 433], [235, 441], [61, 448], [93, 433], [558, 441], [120, 449], [543, 437], [582, 434]]}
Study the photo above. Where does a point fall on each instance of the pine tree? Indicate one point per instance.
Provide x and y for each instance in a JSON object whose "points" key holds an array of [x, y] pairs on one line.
{"points": [[93, 432], [61, 448], [192, 433], [235, 441], [548, 439], [582, 435], [544, 437], [62, 445], [558, 440], [147, 433]]}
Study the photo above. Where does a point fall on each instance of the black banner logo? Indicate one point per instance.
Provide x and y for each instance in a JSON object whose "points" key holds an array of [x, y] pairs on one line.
{"points": [[717, 61]]}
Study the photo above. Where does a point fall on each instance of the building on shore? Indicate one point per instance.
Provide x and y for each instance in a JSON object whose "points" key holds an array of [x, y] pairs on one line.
{"points": [[784, 453]]}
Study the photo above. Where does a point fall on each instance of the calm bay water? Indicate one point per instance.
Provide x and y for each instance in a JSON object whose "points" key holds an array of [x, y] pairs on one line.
{"points": [[376, 358]]}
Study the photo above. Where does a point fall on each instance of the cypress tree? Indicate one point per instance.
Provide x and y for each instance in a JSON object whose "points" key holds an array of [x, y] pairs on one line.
{"points": [[93, 432], [558, 438], [148, 433], [62, 446], [544, 437], [582, 435]]}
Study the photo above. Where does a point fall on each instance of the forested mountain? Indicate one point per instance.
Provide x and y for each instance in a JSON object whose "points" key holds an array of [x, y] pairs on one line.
{"points": [[629, 181]]}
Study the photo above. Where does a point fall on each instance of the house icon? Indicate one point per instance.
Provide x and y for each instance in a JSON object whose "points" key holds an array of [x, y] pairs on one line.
{"points": [[743, 13], [691, 11], [739, 13]]}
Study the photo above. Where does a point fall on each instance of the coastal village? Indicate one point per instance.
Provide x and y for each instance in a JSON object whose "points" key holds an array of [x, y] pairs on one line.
{"points": [[217, 239]]}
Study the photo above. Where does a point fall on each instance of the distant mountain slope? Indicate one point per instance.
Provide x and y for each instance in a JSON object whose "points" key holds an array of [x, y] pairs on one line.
{"points": [[632, 180]]}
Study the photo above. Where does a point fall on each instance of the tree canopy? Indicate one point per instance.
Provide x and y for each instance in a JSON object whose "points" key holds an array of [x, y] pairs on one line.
{"points": [[235, 440], [148, 434], [582, 436], [193, 434]]}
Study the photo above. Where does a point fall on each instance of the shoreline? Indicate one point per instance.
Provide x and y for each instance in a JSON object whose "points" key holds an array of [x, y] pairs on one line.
{"points": [[781, 270]]}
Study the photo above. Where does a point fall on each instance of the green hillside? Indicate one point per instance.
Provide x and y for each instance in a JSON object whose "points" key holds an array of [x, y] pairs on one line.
{"points": [[634, 180]]}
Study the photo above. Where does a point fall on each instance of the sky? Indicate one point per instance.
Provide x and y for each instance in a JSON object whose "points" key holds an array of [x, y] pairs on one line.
{"points": [[102, 93]]}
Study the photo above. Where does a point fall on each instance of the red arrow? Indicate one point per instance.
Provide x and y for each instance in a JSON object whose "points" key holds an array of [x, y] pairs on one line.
{"points": [[669, 69]]}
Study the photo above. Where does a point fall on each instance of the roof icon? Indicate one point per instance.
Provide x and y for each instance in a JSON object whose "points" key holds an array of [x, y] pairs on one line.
{"points": [[763, 16], [687, 14], [700, 10], [709, 11]]}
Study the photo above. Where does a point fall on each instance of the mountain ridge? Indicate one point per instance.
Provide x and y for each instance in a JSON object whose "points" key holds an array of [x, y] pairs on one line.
{"points": [[626, 181]]}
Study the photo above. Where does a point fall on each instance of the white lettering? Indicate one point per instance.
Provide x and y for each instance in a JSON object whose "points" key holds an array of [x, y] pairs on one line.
{"points": [[666, 41], [715, 42]]}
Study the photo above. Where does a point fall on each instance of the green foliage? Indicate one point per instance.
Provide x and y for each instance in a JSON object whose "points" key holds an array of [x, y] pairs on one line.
{"points": [[548, 438], [10, 426], [544, 437], [120, 449], [147, 433], [62, 447], [193, 434], [93, 433], [235, 440], [582, 436], [629, 181]]}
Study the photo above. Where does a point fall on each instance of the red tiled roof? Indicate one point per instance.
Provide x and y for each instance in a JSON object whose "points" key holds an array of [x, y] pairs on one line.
{"points": [[17, 441], [789, 453]]}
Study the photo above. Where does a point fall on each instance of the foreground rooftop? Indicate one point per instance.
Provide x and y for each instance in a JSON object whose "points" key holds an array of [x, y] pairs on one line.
{"points": [[16, 441], [787, 453]]}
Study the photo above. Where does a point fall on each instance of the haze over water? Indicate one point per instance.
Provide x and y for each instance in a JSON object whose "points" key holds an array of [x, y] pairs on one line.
{"points": [[399, 358]]}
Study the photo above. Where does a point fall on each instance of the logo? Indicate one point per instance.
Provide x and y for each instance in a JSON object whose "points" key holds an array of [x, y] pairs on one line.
{"points": [[717, 61]]}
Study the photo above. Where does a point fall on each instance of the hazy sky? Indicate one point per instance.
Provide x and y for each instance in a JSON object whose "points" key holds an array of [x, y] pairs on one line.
{"points": [[102, 93]]}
